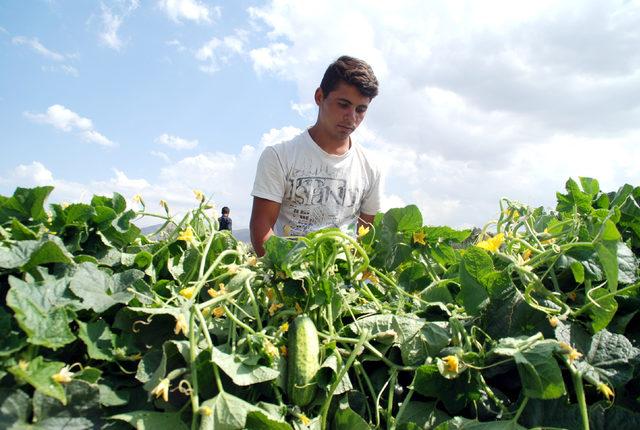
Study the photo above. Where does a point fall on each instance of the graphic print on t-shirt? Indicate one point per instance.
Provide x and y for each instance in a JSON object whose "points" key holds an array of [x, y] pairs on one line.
{"points": [[319, 201]]}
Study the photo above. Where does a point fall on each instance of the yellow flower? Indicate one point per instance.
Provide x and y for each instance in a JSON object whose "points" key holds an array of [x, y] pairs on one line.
{"points": [[138, 199], [181, 325], [283, 351], [64, 205], [550, 240], [218, 312], [606, 391], [23, 364], [419, 237], [63, 376], [270, 349], [284, 327], [252, 261], [199, 195], [270, 293], [370, 276], [187, 293], [274, 308], [305, 420], [526, 255], [164, 205], [206, 411], [492, 244], [573, 353], [162, 389], [363, 231], [451, 363], [298, 309], [232, 269], [206, 312], [553, 321], [187, 235], [287, 230], [213, 293]]}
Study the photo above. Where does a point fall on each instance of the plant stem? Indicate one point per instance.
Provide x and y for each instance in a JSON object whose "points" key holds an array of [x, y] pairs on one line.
{"points": [[193, 356], [355, 352], [520, 410], [403, 407], [588, 306], [576, 377]]}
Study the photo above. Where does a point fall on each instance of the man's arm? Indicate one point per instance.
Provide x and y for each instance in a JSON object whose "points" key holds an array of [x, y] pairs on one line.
{"points": [[263, 216]]}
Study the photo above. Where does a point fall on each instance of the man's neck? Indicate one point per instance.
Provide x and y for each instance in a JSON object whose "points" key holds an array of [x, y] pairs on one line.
{"points": [[328, 144]]}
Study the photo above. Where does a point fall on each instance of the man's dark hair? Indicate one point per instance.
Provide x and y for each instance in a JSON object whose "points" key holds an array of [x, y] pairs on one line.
{"points": [[225, 210], [351, 71]]}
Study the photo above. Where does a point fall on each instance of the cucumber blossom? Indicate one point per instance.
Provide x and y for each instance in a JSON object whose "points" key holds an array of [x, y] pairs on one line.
{"points": [[302, 364]]}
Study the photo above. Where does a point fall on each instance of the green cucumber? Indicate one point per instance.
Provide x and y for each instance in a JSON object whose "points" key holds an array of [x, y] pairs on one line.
{"points": [[303, 352]]}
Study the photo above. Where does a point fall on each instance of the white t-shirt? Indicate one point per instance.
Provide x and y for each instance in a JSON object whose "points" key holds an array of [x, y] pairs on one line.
{"points": [[315, 189]]}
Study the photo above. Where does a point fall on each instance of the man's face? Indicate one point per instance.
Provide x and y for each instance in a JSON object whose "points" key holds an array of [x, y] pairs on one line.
{"points": [[342, 110]]}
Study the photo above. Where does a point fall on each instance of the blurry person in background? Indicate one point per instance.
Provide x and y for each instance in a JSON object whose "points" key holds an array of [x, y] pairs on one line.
{"points": [[224, 221]]}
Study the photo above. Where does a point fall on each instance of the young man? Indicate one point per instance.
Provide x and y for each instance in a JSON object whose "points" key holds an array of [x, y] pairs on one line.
{"points": [[320, 178], [224, 221]]}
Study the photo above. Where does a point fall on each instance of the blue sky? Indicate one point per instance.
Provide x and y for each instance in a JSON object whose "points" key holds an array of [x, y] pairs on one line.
{"points": [[478, 100]]}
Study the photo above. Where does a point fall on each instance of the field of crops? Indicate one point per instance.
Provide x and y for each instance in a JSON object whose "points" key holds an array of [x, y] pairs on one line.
{"points": [[533, 324]]}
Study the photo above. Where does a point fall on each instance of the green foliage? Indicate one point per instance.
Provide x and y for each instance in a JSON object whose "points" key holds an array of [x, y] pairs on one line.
{"points": [[534, 326]]}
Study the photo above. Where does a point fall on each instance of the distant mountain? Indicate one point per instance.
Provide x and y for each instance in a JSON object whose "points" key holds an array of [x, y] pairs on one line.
{"points": [[241, 234]]}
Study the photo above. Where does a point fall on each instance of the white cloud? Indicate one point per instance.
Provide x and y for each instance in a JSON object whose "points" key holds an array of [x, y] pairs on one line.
{"points": [[38, 47], [176, 142], [217, 52], [277, 135], [111, 24], [161, 155], [192, 10], [112, 19], [68, 121], [477, 100], [67, 70], [178, 45]]}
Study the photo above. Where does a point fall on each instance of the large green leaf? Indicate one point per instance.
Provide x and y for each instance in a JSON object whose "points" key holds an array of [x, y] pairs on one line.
{"points": [[405, 219], [98, 338], [81, 411], [155, 364], [602, 314], [460, 423], [549, 414], [31, 253], [346, 419], [454, 393], [259, 420], [609, 357], [422, 414], [608, 256], [229, 413], [539, 372], [575, 198], [476, 264], [26, 204], [41, 311], [12, 340], [38, 373], [99, 290], [15, 408], [241, 372], [151, 420]]}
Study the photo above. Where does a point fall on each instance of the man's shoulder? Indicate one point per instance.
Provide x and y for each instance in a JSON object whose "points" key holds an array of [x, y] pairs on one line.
{"points": [[367, 157], [288, 144]]}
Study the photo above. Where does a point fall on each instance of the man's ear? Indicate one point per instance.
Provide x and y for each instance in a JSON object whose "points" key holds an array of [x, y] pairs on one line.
{"points": [[319, 96]]}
